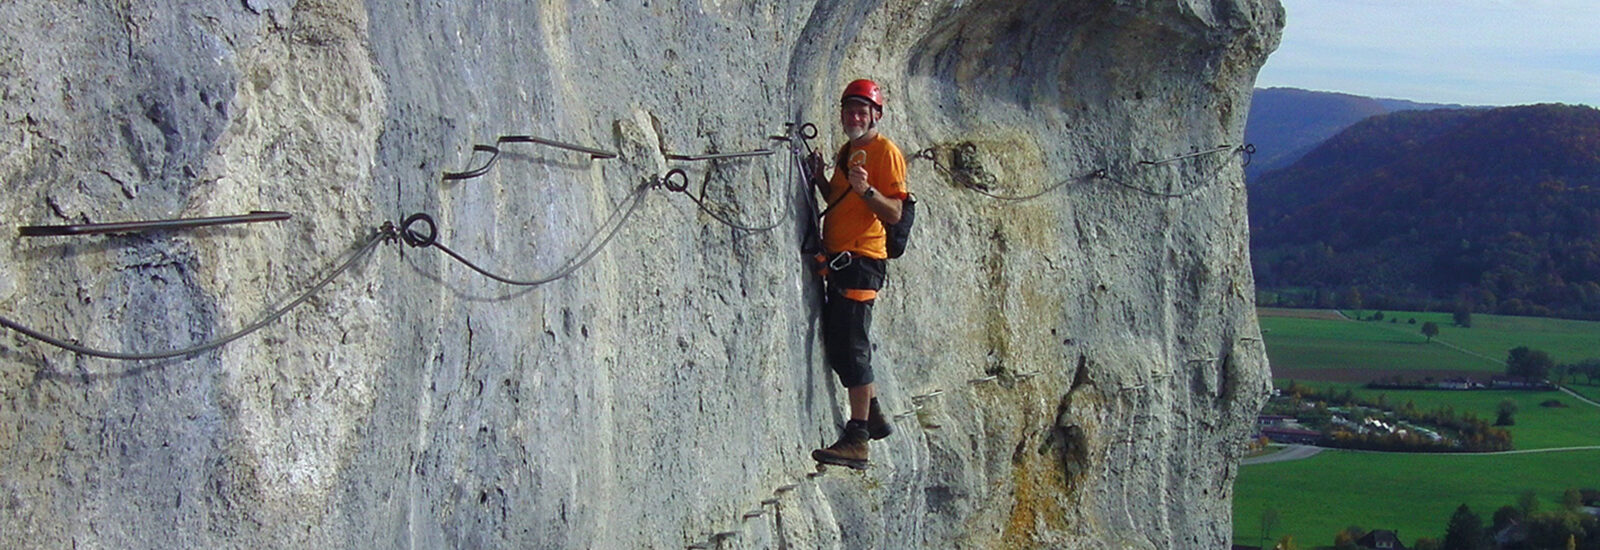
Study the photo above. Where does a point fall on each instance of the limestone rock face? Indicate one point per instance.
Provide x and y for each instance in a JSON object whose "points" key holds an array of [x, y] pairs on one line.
{"points": [[1074, 370]]}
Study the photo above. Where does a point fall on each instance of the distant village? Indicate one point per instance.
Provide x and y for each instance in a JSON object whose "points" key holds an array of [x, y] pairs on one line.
{"points": [[1303, 415]]}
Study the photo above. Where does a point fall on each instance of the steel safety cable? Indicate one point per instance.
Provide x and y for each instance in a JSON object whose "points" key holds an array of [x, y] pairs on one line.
{"points": [[700, 201], [931, 155], [803, 134], [799, 135], [1169, 160], [608, 231], [362, 252], [1247, 150], [1151, 192]]}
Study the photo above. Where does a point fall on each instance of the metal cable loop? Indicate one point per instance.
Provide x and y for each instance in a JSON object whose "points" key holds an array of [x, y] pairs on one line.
{"points": [[586, 253], [415, 239], [377, 238], [805, 132], [666, 181], [799, 136], [730, 223]]}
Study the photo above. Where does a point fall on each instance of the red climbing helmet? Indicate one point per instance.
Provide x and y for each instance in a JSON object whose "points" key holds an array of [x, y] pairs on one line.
{"points": [[864, 89]]}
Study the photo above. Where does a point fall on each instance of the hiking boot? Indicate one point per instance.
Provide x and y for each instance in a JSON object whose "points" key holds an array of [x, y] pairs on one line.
{"points": [[851, 449], [878, 426]]}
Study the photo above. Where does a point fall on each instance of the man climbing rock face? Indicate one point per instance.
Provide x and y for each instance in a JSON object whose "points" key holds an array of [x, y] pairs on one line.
{"points": [[865, 193]]}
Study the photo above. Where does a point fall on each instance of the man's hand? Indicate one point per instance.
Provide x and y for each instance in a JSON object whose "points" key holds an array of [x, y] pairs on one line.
{"points": [[858, 179]]}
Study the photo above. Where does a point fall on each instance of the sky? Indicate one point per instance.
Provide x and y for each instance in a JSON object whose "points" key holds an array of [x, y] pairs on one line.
{"points": [[1470, 52]]}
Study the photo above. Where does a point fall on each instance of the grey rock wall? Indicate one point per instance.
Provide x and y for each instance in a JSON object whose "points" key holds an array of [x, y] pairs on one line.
{"points": [[1078, 370]]}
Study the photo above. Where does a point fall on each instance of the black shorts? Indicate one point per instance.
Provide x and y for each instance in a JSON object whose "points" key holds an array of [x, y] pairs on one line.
{"points": [[847, 322]]}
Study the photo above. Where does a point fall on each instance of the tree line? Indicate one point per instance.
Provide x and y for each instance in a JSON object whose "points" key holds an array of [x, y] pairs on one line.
{"points": [[1522, 526]]}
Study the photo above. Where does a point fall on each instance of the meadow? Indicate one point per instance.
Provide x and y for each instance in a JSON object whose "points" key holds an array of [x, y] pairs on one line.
{"points": [[1304, 348], [1415, 494], [1296, 347], [1492, 336]]}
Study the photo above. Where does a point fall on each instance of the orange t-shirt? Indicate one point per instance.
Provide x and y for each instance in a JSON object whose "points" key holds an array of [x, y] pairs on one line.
{"points": [[851, 225]]}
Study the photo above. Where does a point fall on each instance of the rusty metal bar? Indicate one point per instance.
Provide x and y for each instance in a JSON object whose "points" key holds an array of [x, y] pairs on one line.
{"points": [[494, 153], [148, 225], [592, 152], [716, 156]]}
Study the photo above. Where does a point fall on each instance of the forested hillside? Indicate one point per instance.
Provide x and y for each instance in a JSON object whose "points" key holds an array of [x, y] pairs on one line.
{"points": [[1285, 123], [1497, 209]]}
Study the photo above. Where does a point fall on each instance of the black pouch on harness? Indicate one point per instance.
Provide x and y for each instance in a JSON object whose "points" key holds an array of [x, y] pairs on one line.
{"points": [[899, 234]]}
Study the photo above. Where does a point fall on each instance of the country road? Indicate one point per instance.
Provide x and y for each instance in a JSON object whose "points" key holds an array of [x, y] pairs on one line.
{"points": [[1576, 395], [1292, 452]]}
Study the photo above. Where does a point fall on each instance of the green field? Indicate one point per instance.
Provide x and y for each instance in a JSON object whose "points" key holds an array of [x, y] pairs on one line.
{"points": [[1297, 345], [1411, 494], [1494, 335], [1294, 344], [1416, 493]]}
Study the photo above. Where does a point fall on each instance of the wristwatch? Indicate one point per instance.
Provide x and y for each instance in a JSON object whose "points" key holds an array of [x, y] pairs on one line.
{"points": [[869, 193]]}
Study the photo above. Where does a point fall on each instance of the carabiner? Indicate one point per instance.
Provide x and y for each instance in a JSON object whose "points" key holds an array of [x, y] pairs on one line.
{"points": [[858, 158], [841, 260]]}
